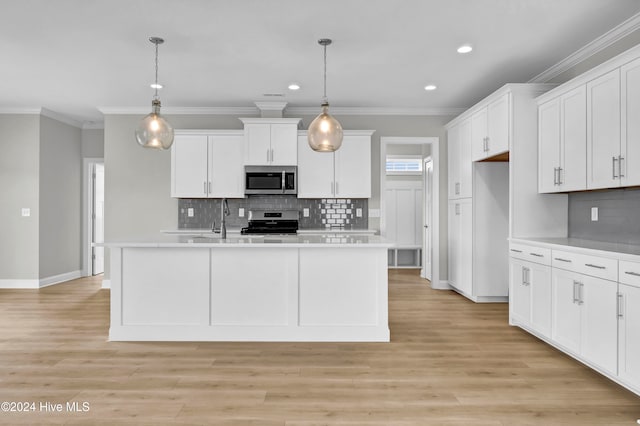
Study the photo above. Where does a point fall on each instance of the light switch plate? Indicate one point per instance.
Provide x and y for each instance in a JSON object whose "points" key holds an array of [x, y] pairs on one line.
{"points": [[26, 212], [594, 214], [305, 212], [241, 212], [374, 212], [358, 212], [190, 212]]}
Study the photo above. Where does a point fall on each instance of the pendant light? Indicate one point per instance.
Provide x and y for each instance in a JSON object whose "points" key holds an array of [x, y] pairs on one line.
{"points": [[325, 132], [154, 131]]}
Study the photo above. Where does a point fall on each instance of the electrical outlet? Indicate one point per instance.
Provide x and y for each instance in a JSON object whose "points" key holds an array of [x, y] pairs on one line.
{"points": [[374, 212], [305, 212], [190, 212], [241, 212], [358, 212], [26, 212], [594, 214]]}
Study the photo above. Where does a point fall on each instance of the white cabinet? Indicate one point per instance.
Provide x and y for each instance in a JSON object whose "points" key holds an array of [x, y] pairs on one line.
{"points": [[629, 323], [630, 137], [459, 160], [585, 317], [207, 164], [345, 173], [271, 141], [603, 131], [530, 295], [562, 126], [461, 245], [490, 129]]}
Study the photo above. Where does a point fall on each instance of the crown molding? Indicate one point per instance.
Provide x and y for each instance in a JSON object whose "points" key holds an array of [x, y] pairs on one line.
{"points": [[93, 125], [599, 44], [181, 110], [378, 111], [61, 118], [20, 110]]}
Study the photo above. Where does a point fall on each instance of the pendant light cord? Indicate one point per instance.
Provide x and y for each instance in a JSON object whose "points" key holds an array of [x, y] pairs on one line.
{"points": [[156, 85], [325, 74]]}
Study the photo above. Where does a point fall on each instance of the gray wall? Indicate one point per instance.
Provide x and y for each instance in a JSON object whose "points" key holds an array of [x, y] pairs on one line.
{"points": [[618, 215], [137, 185], [92, 143], [19, 170], [60, 198]]}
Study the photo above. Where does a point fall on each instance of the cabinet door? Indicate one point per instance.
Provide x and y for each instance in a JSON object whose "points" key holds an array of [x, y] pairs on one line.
{"points": [[539, 277], [189, 166], [498, 125], [353, 167], [315, 171], [454, 244], [630, 147], [465, 283], [465, 164], [629, 335], [453, 160], [566, 321], [599, 342], [573, 153], [520, 291], [284, 144], [548, 146], [479, 135], [257, 144], [603, 131], [226, 166]]}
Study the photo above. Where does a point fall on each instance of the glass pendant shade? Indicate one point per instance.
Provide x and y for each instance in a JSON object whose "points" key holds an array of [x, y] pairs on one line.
{"points": [[154, 131], [325, 132]]}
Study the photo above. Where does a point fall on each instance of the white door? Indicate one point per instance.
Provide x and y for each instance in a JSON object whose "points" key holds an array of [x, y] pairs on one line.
{"points": [[466, 164], [453, 157], [498, 126], [629, 334], [226, 170], [315, 172], [599, 341], [97, 226], [257, 144], [548, 145], [189, 177], [466, 246], [520, 295], [566, 327], [540, 283], [353, 168], [573, 153], [479, 135], [284, 146], [427, 245], [630, 147]]}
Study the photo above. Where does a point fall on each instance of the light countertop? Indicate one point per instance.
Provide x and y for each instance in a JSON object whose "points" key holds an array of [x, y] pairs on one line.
{"points": [[330, 240], [617, 250]]}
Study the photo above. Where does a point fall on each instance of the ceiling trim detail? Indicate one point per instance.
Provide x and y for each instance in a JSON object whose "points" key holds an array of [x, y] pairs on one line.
{"points": [[181, 110], [20, 110], [61, 118], [599, 44]]}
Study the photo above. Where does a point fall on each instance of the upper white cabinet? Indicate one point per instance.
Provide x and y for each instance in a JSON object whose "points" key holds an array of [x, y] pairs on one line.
{"points": [[207, 164], [459, 160], [630, 136], [344, 173], [603, 131], [562, 127], [490, 129], [271, 141]]}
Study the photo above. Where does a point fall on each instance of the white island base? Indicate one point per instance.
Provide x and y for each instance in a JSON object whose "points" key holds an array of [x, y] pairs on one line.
{"points": [[249, 292]]}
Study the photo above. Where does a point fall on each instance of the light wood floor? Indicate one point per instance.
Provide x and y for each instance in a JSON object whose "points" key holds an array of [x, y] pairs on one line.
{"points": [[450, 362]]}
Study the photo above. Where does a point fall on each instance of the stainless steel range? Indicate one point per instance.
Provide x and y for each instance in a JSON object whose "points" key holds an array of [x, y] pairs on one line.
{"points": [[272, 222]]}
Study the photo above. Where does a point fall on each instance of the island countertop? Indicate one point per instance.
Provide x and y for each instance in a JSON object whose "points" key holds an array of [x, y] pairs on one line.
{"points": [[329, 239]]}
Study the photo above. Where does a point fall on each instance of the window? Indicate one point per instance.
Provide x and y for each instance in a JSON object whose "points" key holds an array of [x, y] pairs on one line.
{"points": [[404, 165]]}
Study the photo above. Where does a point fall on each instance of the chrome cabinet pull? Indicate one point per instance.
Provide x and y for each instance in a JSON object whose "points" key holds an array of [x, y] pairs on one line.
{"points": [[620, 158], [560, 169], [272, 155], [267, 155], [524, 276], [580, 293], [614, 159], [591, 265], [209, 187], [559, 259], [205, 187], [555, 176], [457, 209], [283, 184], [457, 191], [332, 188], [488, 143], [620, 305], [517, 251], [337, 188], [635, 274], [536, 254], [575, 292]]}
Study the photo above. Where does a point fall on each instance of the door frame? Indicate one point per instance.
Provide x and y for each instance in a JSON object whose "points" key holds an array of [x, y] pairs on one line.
{"points": [[434, 142], [427, 200], [88, 165]]}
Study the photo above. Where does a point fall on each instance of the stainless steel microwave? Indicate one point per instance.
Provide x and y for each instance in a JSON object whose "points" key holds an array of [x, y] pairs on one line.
{"points": [[270, 180]]}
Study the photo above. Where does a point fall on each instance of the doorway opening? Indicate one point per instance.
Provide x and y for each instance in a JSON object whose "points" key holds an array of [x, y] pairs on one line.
{"points": [[409, 204], [93, 257]]}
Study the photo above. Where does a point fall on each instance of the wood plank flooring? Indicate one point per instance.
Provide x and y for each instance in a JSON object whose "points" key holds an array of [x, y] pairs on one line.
{"points": [[450, 362]]}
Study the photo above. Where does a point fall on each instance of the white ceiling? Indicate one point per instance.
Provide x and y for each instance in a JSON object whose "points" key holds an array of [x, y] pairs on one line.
{"points": [[73, 56]]}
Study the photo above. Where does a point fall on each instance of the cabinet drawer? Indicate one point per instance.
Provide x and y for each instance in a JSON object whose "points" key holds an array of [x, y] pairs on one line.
{"points": [[585, 264], [629, 273], [530, 253]]}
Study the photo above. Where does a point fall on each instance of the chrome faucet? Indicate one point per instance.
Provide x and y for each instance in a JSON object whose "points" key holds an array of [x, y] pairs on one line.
{"points": [[224, 212]]}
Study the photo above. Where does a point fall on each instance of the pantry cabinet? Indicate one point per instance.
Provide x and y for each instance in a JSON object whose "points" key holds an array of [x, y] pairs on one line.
{"points": [[562, 127], [459, 160], [345, 173], [271, 142], [207, 164], [461, 245], [490, 129]]}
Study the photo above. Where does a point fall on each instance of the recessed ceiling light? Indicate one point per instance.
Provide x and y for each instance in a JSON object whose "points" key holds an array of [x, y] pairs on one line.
{"points": [[430, 87], [156, 85], [294, 86], [465, 48]]}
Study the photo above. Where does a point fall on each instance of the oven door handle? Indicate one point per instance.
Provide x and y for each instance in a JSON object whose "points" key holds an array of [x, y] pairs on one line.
{"points": [[283, 183]]}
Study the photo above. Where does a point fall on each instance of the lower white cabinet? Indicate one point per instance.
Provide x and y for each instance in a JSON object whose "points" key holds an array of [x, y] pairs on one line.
{"points": [[461, 245], [629, 323], [530, 295]]}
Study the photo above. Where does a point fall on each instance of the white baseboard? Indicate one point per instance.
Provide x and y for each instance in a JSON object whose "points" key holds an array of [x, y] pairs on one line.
{"points": [[442, 285], [106, 283], [33, 284], [60, 278]]}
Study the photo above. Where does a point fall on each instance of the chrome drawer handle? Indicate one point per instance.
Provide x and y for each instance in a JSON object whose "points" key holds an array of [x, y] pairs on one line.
{"points": [[635, 274], [517, 251], [590, 265], [536, 254], [559, 259]]}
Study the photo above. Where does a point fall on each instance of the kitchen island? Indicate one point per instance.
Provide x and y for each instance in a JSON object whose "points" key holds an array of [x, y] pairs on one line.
{"points": [[250, 288]]}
